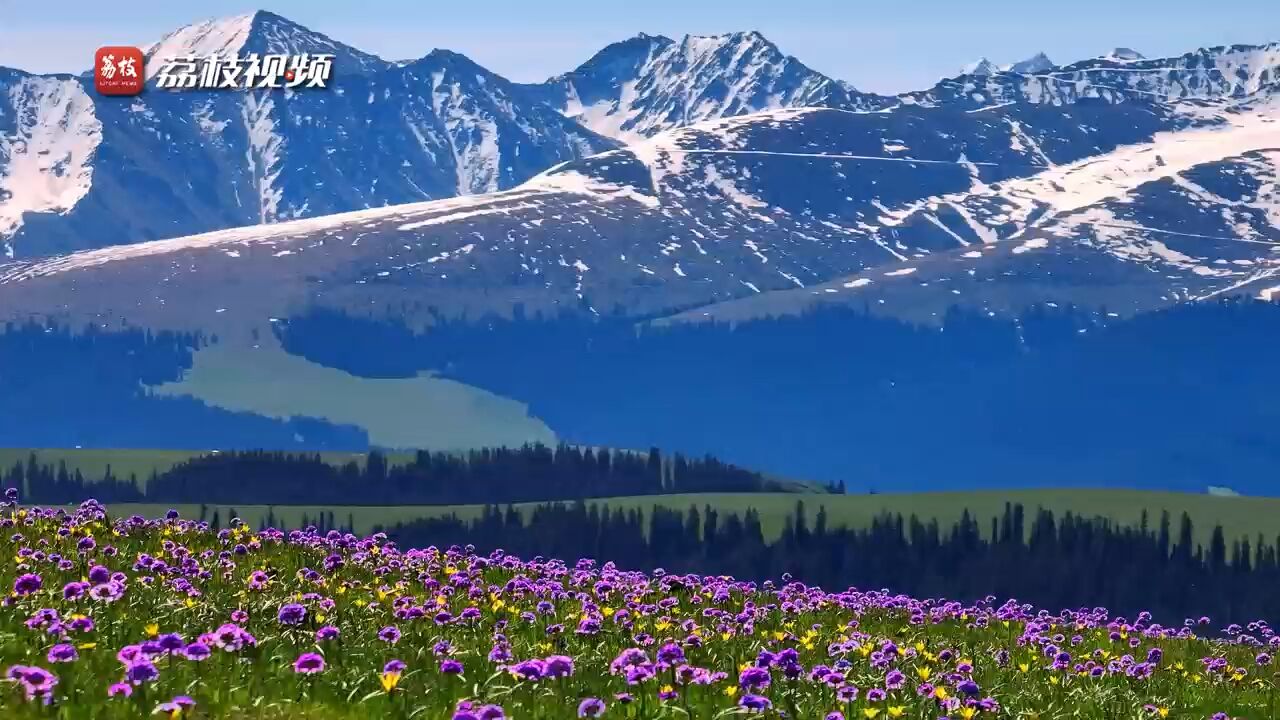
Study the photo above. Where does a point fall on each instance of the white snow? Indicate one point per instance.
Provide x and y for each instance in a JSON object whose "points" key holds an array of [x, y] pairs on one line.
{"points": [[49, 153], [264, 153], [860, 282], [900, 272], [221, 36], [1035, 244]]}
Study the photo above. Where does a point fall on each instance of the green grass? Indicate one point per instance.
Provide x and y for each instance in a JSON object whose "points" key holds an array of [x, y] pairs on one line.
{"points": [[1239, 516], [422, 411]]}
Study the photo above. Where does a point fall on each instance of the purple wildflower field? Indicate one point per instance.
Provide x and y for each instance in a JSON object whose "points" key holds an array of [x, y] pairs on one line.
{"points": [[125, 617]]}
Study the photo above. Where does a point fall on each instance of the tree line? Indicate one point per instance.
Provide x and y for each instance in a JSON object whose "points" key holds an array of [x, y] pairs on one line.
{"points": [[532, 473], [1053, 562]]}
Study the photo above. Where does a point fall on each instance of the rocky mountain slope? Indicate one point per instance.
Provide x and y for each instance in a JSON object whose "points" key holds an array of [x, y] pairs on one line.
{"points": [[1131, 206], [79, 170], [647, 84]]}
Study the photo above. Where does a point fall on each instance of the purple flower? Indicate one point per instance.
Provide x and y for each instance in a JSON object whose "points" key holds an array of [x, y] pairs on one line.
{"points": [[27, 584], [308, 664], [389, 634], [591, 708], [875, 695], [894, 680], [328, 632], [74, 590], [532, 670], [670, 654], [754, 703], [170, 642], [99, 574], [141, 671], [753, 678], [394, 666], [291, 614], [197, 651], [847, 693], [124, 689], [106, 592], [62, 652], [449, 666], [558, 666]]}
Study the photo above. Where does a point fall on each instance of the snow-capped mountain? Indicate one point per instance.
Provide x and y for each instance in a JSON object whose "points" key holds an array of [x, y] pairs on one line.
{"points": [[1235, 71], [80, 170], [261, 32], [981, 66], [1124, 54], [1034, 64], [1132, 206], [642, 86]]}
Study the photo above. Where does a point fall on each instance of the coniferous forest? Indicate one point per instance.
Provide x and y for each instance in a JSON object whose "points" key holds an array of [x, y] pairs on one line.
{"points": [[533, 473], [1051, 562]]}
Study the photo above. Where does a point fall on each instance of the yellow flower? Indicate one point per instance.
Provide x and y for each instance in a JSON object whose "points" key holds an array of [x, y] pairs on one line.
{"points": [[153, 630], [1164, 712], [321, 617], [897, 711], [87, 646], [924, 672], [1023, 667], [607, 611], [731, 690], [667, 689], [968, 712], [1053, 679], [940, 693], [779, 635], [870, 712], [390, 680], [662, 626], [919, 646]]}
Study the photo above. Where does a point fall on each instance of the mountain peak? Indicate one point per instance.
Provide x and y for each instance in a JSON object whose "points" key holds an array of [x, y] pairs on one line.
{"points": [[260, 32], [981, 66], [1124, 54], [1034, 64]]}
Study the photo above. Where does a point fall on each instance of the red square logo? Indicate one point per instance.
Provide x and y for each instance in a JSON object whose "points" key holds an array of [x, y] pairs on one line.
{"points": [[118, 70]]}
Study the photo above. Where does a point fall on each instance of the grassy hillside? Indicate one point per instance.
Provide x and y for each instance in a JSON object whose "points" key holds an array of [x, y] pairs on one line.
{"points": [[1239, 516], [422, 411]]}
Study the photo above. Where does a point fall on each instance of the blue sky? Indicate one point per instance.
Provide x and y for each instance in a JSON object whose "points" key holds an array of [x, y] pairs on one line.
{"points": [[882, 46]]}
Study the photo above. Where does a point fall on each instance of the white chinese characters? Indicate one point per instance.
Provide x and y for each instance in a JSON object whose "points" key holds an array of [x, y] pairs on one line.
{"points": [[110, 67], [251, 72]]}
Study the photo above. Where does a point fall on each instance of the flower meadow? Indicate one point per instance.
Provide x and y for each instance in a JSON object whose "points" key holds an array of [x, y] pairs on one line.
{"points": [[128, 617]]}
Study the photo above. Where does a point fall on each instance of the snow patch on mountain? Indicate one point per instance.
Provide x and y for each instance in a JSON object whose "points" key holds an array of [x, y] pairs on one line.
{"points": [[640, 87], [45, 157], [1124, 54]]}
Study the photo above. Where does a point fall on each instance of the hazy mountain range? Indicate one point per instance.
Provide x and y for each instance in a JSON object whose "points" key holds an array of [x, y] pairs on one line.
{"points": [[339, 236]]}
